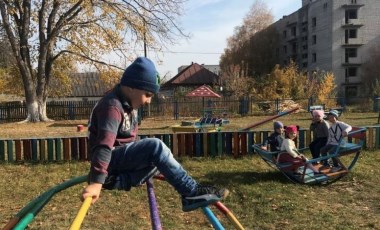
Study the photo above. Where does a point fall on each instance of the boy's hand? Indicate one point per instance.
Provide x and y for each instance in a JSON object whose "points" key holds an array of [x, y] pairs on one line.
{"points": [[92, 190]]}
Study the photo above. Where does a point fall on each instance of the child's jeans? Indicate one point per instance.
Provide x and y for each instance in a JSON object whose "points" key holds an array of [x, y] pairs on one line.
{"points": [[143, 155], [329, 149]]}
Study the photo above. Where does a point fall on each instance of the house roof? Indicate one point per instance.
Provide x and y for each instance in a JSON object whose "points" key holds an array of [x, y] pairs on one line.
{"points": [[193, 75], [202, 91], [88, 84]]}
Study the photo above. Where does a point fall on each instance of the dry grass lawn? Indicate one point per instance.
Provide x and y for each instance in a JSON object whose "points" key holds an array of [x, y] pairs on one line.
{"points": [[261, 198]]}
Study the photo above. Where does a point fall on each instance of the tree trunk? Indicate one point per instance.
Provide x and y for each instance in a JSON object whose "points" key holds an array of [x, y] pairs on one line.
{"points": [[36, 110]]}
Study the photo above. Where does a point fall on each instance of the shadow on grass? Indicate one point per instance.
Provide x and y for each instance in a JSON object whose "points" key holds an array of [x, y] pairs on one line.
{"points": [[246, 177]]}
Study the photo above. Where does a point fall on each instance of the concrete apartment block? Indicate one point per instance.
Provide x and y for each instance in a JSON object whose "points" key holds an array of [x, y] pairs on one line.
{"points": [[331, 35]]}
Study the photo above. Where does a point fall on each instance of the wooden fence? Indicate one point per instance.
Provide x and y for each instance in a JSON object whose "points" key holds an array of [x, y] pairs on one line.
{"points": [[234, 144], [57, 110]]}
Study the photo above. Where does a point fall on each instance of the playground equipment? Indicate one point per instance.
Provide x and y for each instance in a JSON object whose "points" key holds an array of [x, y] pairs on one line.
{"points": [[269, 119], [347, 155], [205, 124], [29, 212]]}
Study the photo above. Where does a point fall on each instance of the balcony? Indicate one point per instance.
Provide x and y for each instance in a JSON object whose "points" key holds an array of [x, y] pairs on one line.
{"points": [[352, 80], [352, 6], [351, 61], [346, 42], [353, 23]]}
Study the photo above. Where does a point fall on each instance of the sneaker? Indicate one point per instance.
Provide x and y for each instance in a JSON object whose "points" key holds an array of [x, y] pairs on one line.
{"points": [[335, 169], [204, 196]]}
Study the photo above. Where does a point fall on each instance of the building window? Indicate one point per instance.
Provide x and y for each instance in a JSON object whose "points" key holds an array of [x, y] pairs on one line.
{"points": [[294, 47], [352, 91], [304, 47], [351, 14], [285, 49], [325, 5], [351, 72], [304, 38], [284, 33], [294, 31], [313, 57], [304, 56], [353, 1], [314, 22], [314, 39], [277, 52], [351, 52], [304, 65], [353, 33]]}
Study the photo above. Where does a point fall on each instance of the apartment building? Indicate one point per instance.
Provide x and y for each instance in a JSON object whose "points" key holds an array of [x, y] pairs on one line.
{"points": [[331, 35]]}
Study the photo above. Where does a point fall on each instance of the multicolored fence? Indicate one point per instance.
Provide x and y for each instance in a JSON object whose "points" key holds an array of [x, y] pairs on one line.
{"points": [[182, 144]]}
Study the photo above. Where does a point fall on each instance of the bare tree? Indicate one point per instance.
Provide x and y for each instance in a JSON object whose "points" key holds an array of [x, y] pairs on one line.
{"points": [[41, 32]]}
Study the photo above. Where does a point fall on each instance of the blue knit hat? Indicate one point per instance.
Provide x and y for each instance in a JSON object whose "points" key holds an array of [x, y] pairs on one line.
{"points": [[334, 112], [141, 74], [277, 125]]}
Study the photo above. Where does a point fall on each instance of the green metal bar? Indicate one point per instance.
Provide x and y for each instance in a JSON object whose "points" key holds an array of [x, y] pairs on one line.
{"points": [[31, 209]]}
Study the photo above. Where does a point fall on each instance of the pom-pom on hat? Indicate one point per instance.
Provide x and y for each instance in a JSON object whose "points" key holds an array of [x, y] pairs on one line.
{"points": [[277, 125], [291, 128], [141, 74], [319, 112], [334, 112]]}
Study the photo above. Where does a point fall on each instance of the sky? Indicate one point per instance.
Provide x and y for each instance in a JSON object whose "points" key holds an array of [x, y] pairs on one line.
{"points": [[210, 23]]}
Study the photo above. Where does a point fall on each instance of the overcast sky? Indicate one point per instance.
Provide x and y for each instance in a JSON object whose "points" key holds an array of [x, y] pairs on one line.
{"points": [[210, 23]]}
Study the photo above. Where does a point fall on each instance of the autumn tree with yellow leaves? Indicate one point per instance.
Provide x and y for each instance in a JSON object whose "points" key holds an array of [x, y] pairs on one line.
{"points": [[42, 32]]}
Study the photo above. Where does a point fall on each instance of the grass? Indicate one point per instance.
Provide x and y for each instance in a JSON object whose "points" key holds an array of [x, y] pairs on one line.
{"points": [[261, 197]]}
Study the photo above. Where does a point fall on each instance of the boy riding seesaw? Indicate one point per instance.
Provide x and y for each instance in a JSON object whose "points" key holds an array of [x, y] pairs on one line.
{"points": [[118, 160]]}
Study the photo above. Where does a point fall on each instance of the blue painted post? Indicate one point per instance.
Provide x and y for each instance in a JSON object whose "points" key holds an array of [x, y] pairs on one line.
{"points": [[212, 218]]}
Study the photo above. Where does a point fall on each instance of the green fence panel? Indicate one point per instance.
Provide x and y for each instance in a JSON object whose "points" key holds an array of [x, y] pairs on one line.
{"points": [[212, 144], [2, 150], [10, 150], [34, 150], [50, 144], [220, 143], [58, 149], [250, 142]]}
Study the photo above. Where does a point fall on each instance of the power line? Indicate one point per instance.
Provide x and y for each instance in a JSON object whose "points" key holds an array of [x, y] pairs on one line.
{"points": [[186, 52]]}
